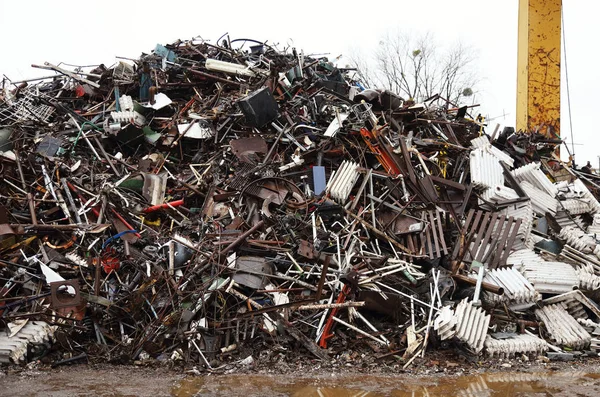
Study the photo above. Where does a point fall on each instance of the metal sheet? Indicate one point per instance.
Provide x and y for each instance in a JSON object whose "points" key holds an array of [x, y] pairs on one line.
{"points": [[492, 236], [245, 148], [584, 193], [524, 212], [550, 277], [341, 183], [467, 323], [542, 202], [484, 143], [486, 171], [14, 349], [507, 346], [563, 329], [533, 174], [519, 293], [246, 265]]}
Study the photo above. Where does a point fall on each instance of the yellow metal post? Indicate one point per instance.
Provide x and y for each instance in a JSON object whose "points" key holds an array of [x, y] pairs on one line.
{"points": [[538, 74]]}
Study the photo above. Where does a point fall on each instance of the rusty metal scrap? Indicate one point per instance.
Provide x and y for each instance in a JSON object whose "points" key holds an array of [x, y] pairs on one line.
{"points": [[207, 198]]}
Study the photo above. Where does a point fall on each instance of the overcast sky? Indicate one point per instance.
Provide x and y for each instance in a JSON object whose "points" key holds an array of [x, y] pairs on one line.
{"points": [[84, 33]]}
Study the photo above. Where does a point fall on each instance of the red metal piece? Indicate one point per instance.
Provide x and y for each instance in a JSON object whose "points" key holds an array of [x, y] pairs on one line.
{"points": [[109, 260], [175, 203], [371, 140], [327, 330]]}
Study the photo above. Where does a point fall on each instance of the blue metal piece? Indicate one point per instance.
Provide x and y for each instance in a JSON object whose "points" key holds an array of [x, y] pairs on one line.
{"points": [[319, 179], [116, 236]]}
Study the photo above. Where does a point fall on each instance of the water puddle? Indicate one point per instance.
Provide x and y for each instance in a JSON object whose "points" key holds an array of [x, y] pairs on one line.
{"points": [[578, 384]]}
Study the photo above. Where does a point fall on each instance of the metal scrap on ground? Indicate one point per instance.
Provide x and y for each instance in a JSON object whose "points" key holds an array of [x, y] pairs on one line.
{"points": [[210, 201]]}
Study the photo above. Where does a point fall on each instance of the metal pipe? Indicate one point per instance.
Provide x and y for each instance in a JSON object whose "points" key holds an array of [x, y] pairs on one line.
{"points": [[486, 286]]}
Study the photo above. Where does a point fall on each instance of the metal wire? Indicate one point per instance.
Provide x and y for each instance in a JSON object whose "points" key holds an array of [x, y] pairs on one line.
{"points": [[562, 14]]}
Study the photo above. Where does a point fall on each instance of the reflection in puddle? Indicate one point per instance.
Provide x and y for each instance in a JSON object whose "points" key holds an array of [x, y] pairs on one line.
{"points": [[488, 385]]}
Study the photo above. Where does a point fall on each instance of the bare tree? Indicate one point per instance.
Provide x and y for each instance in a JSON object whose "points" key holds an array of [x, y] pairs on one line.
{"points": [[416, 67]]}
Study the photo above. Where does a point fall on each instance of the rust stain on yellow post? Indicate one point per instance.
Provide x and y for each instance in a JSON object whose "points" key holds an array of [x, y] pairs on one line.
{"points": [[538, 74]]}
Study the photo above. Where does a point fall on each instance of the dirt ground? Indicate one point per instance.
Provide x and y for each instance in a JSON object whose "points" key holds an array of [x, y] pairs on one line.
{"points": [[427, 378]]}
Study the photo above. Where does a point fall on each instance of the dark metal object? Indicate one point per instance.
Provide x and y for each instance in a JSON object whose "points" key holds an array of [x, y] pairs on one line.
{"points": [[60, 299], [492, 237]]}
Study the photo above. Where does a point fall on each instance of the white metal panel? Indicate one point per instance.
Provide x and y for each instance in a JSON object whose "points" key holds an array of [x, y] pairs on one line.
{"points": [[14, 349], [508, 346], [583, 192], [467, 323], [445, 323], [519, 293], [542, 202], [563, 329], [483, 142], [341, 183], [523, 256], [130, 116], [472, 325], [577, 239], [564, 220], [486, 171], [588, 281], [550, 277], [576, 206], [534, 175], [500, 193]]}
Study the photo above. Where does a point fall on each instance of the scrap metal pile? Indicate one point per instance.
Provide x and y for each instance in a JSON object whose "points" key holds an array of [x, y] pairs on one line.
{"points": [[206, 201]]}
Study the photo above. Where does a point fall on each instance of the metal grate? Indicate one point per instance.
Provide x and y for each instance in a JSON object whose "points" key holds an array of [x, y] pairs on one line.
{"points": [[488, 238]]}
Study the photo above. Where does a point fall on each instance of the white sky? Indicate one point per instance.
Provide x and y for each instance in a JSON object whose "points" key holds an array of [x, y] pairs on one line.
{"points": [[83, 33]]}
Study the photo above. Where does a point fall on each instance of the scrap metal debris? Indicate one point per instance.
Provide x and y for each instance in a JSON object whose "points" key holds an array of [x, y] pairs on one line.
{"points": [[212, 201]]}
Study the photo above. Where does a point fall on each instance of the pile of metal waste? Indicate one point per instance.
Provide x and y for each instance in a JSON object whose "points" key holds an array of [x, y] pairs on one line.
{"points": [[210, 202]]}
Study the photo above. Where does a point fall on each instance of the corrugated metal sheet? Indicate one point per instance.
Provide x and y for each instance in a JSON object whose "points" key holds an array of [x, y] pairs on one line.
{"points": [[563, 329], [341, 183], [573, 302], [583, 192], [595, 345], [576, 206], [483, 142], [445, 323], [518, 292], [588, 281], [550, 277], [524, 212], [570, 254], [467, 323], [542, 202], [471, 325], [522, 256], [506, 346], [499, 193], [577, 239], [534, 175], [486, 171], [14, 349]]}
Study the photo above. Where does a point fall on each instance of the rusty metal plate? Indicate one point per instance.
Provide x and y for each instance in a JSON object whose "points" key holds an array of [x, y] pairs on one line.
{"points": [[246, 149], [59, 299], [487, 237]]}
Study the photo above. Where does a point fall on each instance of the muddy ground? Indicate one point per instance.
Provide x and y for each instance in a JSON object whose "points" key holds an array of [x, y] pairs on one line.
{"points": [[437, 376]]}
